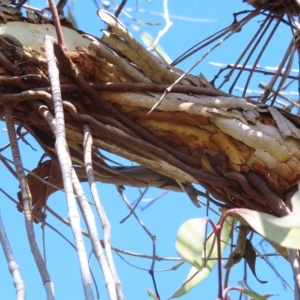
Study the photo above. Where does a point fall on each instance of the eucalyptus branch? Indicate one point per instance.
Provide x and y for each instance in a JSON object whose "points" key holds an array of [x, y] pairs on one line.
{"points": [[87, 145], [12, 264], [65, 164], [94, 237], [27, 200]]}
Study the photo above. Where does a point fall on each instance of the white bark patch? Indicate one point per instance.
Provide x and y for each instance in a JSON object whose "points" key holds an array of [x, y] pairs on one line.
{"points": [[285, 126], [33, 35], [223, 102], [292, 144], [251, 115], [252, 138]]}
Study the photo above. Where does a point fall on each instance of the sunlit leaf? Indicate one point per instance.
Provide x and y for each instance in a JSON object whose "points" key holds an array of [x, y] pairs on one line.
{"points": [[243, 285], [254, 295], [190, 241], [295, 200], [293, 219], [151, 294], [196, 276], [272, 228]]}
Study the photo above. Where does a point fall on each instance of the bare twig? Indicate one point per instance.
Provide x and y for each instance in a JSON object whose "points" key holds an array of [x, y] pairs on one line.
{"points": [[162, 32], [60, 6], [56, 22], [169, 89], [120, 7], [86, 234], [276, 75], [293, 257], [228, 75], [12, 264], [153, 238], [137, 86], [27, 200], [135, 205], [101, 212], [94, 237], [259, 55], [65, 163]]}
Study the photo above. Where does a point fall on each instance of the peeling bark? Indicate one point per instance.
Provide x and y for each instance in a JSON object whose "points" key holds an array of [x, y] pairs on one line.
{"points": [[111, 85]]}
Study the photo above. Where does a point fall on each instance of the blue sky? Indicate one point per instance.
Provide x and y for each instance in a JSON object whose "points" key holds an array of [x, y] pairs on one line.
{"points": [[163, 218]]}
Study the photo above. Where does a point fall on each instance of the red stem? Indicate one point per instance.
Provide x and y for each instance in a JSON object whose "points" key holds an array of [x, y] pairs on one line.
{"points": [[217, 229], [59, 33], [231, 288]]}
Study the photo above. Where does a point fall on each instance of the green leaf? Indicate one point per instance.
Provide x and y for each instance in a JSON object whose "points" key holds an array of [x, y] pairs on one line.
{"points": [[278, 230], [151, 294], [190, 241], [243, 285], [195, 275], [254, 295], [296, 203], [293, 219]]}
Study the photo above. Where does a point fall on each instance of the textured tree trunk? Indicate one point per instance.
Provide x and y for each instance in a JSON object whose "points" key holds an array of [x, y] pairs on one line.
{"points": [[243, 153]]}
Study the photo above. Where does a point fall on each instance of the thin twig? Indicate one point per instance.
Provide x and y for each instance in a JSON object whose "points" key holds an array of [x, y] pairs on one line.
{"points": [[59, 33], [101, 212], [12, 264], [120, 7], [4, 159], [136, 87], [276, 75], [169, 89], [254, 46], [65, 164], [94, 237], [86, 234], [259, 56], [27, 200], [228, 75], [153, 238], [162, 32], [135, 205]]}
